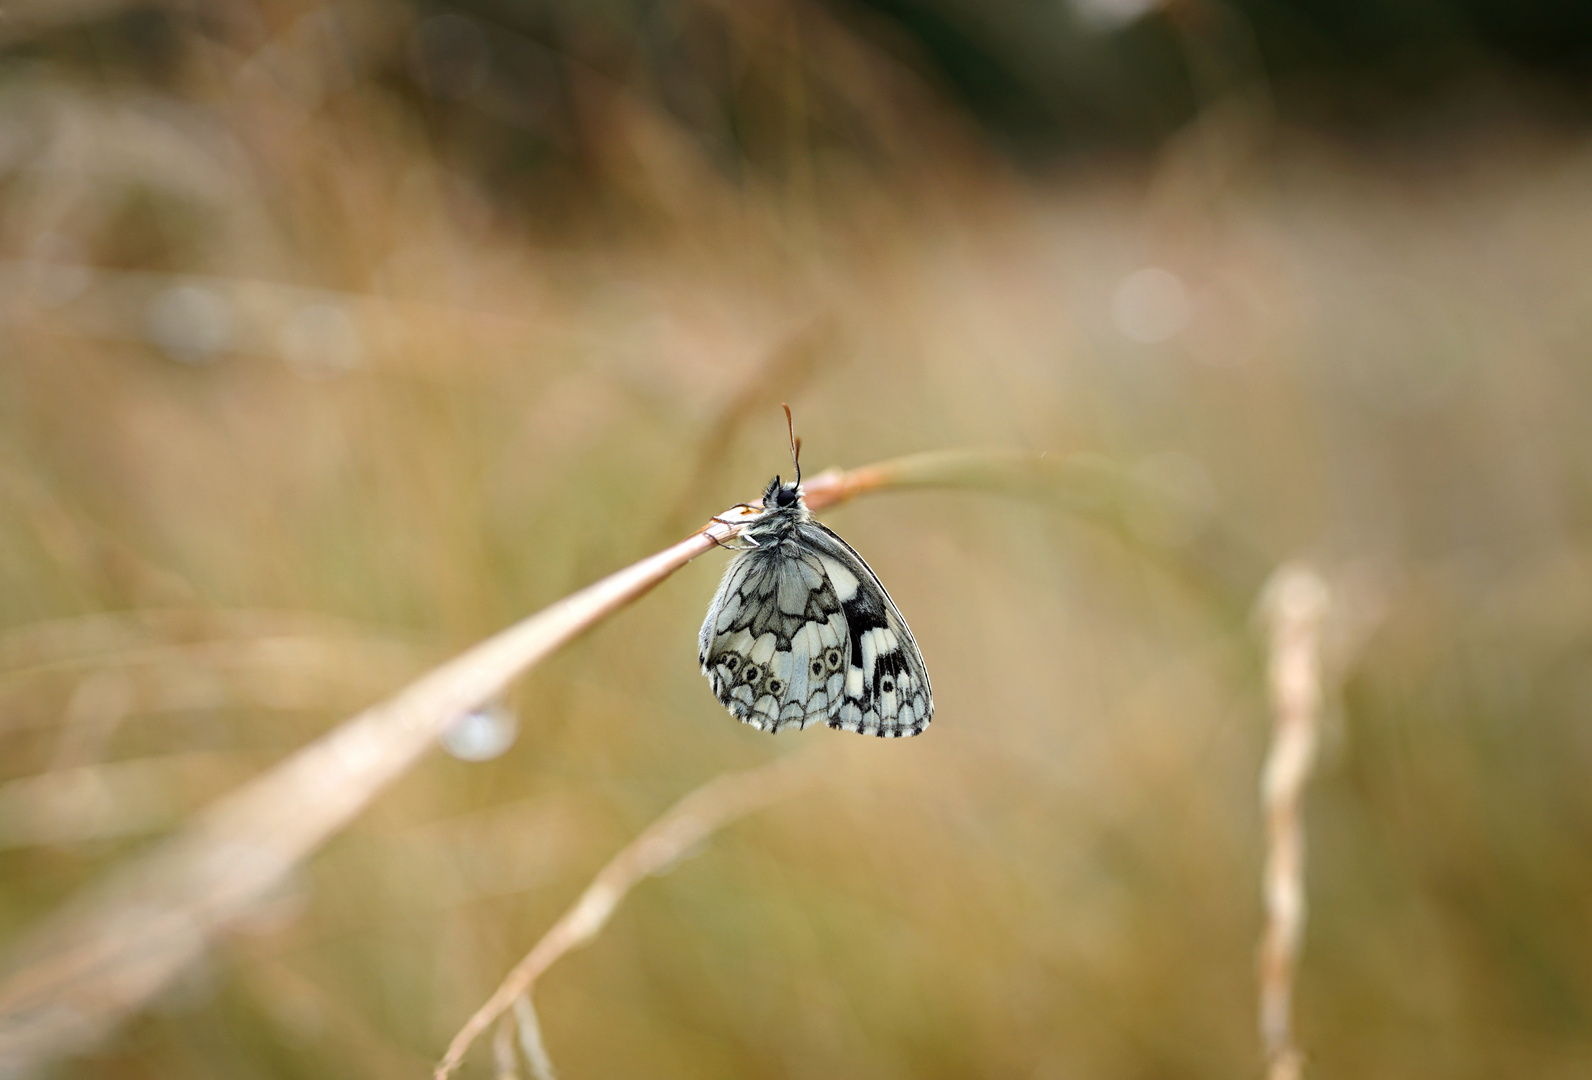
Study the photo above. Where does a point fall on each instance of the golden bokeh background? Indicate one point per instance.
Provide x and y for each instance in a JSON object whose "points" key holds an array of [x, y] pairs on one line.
{"points": [[334, 338]]}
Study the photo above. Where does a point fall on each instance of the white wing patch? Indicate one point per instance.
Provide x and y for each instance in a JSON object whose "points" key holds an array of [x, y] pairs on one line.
{"points": [[843, 581]]}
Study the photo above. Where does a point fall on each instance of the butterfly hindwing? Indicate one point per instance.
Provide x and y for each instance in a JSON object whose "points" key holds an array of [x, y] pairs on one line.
{"points": [[886, 690]]}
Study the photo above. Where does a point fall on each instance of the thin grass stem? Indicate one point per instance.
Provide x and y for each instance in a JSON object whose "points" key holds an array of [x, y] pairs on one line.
{"points": [[1295, 604], [529, 1029], [722, 800]]}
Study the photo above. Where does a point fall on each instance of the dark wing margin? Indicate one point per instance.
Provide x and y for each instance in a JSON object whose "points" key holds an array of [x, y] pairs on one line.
{"points": [[887, 691]]}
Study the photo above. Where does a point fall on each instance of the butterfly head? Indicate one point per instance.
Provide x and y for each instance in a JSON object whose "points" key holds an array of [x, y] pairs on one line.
{"points": [[782, 496], [783, 512]]}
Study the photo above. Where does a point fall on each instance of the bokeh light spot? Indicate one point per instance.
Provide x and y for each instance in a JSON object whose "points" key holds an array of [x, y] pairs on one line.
{"points": [[190, 323], [1151, 306], [482, 734]]}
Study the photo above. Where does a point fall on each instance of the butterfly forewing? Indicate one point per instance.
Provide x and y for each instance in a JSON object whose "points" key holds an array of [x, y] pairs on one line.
{"points": [[774, 642]]}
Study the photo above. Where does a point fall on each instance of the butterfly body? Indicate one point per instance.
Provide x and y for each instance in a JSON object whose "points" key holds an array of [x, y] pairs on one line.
{"points": [[801, 630]]}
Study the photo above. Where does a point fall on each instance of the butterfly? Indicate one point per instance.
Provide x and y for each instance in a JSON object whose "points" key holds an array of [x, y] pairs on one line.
{"points": [[800, 630]]}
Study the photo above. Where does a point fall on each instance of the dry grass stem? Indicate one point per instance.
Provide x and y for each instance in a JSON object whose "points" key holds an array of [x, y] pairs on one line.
{"points": [[1295, 604], [529, 1029], [105, 954], [703, 812], [503, 1056], [984, 469]]}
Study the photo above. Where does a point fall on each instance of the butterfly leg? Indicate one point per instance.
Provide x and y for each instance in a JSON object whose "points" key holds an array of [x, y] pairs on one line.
{"points": [[739, 543], [742, 542]]}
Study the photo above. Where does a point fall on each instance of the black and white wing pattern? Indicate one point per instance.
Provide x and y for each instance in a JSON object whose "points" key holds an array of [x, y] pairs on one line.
{"points": [[801, 629], [774, 643]]}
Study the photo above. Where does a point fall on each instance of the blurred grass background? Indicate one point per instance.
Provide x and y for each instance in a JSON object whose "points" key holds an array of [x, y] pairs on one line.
{"points": [[336, 337]]}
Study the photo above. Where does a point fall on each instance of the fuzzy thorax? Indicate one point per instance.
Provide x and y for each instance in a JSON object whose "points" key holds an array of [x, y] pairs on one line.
{"points": [[783, 511]]}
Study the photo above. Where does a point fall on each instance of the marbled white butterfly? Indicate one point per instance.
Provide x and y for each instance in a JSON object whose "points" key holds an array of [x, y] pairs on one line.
{"points": [[801, 630]]}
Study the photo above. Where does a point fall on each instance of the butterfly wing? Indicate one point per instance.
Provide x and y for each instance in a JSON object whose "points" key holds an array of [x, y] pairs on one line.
{"points": [[774, 644], [886, 689]]}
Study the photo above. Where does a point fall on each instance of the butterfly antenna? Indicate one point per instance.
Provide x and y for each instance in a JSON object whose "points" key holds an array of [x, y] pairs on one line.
{"points": [[795, 443]]}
